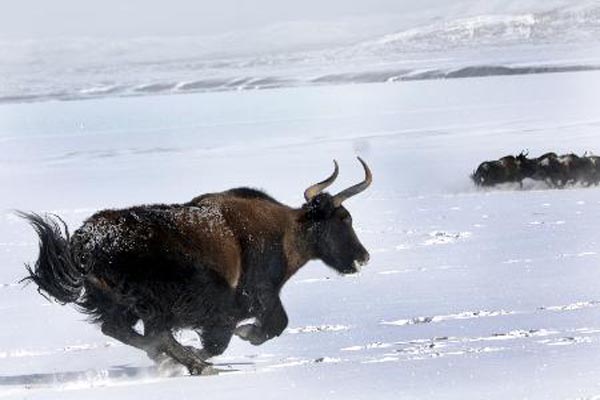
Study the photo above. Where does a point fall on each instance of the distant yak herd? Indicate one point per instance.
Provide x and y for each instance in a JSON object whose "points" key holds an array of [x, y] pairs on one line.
{"points": [[556, 171]]}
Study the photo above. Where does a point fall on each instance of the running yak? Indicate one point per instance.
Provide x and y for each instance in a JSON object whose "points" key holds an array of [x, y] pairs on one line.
{"points": [[206, 265], [507, 169]]}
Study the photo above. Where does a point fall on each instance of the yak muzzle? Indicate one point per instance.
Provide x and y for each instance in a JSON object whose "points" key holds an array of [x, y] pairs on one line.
{"points": [[361, 262]]}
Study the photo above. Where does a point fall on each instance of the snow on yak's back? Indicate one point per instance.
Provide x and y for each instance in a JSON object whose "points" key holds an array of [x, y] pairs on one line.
{"points": [[205, 265]]}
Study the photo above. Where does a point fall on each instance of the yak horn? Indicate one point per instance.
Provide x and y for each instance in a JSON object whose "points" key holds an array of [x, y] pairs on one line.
{"points": [[339, 198], [317, 188]]}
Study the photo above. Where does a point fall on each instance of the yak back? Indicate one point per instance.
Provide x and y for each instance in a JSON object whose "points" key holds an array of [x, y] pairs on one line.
{"points": [[259, 222], [240, 193], [165, 243], [173, 242]]}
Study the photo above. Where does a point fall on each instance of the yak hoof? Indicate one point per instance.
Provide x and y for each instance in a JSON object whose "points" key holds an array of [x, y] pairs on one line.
{"points": [[198, 368], [257, 341], [245, 332], [250, 333]]}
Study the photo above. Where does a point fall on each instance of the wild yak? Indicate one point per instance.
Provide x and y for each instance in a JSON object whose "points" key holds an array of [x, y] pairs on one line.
{"points": [[550, 170], [587, 170], [506, 169], [205, 265], [573, 168], [595, 169], [558, 171]]}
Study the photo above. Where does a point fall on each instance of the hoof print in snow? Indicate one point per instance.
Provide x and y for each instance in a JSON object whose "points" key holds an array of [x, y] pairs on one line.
{"points": [[441, 237]]}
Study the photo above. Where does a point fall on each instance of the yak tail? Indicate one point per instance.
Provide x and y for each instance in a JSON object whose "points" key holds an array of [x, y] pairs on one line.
{"points": [[55, 272]]}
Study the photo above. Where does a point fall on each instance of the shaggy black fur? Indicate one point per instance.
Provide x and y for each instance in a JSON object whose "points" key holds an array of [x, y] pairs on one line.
{"points": [[55, 272]]}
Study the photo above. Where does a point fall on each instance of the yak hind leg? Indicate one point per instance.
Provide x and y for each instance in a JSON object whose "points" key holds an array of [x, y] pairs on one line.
{"points": [[184, 355], [165, 345], [127, 335]]}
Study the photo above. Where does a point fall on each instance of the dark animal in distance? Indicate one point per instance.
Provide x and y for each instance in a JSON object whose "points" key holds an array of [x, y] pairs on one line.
{"points": [[206, 265], [556, 171], [571, 165], [506, 169], [594, 168], [549, 169]]}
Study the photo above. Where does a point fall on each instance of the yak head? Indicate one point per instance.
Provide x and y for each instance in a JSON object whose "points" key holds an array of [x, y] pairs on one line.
{"points": [[328, 225], [528, 167]]}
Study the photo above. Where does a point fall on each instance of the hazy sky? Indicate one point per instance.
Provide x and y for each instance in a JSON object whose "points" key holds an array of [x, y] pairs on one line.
{"points": [[133, 18], [35, 18]]}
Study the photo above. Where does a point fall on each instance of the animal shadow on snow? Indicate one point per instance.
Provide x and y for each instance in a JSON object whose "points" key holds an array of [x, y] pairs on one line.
{"points": [[61, 378], [117, 373]]}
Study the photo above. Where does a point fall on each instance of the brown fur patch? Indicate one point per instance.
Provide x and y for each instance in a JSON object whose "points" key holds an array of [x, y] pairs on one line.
{"points": [[256, 223]]}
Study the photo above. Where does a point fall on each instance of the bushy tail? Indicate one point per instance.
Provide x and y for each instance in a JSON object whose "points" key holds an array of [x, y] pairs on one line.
{"points": [[55, 271]]}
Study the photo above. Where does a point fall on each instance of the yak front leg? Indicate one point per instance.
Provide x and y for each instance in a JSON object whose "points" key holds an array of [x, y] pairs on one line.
{"points": [[127, 335], [215, 339], [270, 323]]}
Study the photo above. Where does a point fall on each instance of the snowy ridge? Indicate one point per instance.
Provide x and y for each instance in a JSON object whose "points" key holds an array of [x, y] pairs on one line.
{"points": [[308, 54], [233, 83], [575, 23]]}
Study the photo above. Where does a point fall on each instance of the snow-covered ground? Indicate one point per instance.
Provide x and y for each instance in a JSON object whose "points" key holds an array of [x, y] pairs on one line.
{"points": [[469, 294]]}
